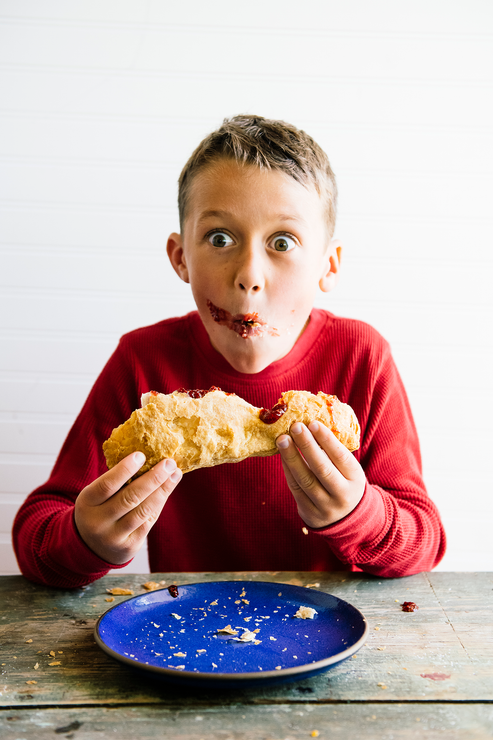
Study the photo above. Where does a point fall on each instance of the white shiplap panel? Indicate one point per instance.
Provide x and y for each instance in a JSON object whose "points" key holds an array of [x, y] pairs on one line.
{"points": [[8, 562], [469, 544], [424, 17], [9, 504], [21, 474], [60, 354], [140, 140], [155, 95], [155, 49], [28, 223], [153, 188], [37, 394], [40, 437]]}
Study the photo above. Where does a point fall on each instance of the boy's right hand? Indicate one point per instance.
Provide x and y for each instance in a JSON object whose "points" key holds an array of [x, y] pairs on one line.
{"points": [[114, 519]]}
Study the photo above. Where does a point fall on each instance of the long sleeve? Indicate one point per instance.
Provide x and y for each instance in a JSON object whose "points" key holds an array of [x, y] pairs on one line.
{"points": [[395, 530], [47, 544]]}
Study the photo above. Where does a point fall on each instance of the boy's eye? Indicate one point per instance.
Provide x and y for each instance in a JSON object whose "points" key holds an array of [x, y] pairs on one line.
{"points": [[283, 243], [219, 239]]}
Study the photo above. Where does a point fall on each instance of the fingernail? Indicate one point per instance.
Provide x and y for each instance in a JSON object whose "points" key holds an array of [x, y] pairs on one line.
{"points": [[314, 426], [283, 442], [297, 428], [169, 466], [139, 459], [176, 476]]}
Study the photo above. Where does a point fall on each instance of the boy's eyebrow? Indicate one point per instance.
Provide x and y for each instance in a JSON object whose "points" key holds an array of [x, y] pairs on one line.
{"points": [[221, 214], [212, 214]]}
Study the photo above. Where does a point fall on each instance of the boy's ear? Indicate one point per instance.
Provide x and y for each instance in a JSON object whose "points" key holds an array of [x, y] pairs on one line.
{"points": [[332, 265], [176, 255]]}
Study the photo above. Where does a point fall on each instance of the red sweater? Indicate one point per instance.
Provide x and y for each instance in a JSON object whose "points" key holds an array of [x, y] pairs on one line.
{"points": [[242, 517]]}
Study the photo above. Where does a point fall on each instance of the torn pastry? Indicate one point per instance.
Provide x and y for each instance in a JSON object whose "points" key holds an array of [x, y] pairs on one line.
{"points": [[204, 428]]}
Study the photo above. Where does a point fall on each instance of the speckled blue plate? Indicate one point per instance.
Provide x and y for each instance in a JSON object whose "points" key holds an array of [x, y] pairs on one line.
{"points": [[179, 639]]}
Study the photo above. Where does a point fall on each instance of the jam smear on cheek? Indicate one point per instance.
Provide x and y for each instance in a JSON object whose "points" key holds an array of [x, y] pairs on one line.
{"points": [[245, 325], [173, 591], [270, 416]]}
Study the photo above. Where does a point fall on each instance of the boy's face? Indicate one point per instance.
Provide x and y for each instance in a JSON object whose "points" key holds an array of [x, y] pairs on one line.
{"points": [[255, 251]]}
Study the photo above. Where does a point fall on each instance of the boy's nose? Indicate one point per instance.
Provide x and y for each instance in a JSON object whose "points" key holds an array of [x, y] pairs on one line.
{"points": [[250, 272]]}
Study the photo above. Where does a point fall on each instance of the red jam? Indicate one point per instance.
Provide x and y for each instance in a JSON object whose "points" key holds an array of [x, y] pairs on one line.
{"points": [[197, 393], [245, 325], [173, 591], [269, 416], [409, 606]]}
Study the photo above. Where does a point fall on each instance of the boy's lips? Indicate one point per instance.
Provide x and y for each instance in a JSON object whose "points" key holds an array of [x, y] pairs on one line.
{"points": [[245, 325]]}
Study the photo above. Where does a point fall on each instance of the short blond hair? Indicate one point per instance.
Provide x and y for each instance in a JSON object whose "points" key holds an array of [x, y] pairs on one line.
{"points": [[267, 144]]}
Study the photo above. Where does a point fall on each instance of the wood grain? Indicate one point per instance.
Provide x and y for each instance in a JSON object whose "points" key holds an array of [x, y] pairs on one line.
{"points": [[441, 653], [293, 722]]}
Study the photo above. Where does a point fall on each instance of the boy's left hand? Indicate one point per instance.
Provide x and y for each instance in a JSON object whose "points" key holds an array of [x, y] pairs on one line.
{"points": [[329, 482]]}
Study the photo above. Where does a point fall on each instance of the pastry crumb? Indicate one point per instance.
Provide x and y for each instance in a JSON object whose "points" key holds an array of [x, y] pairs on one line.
{"points": [[305, 612], [150, 585], [228, 630], [110, 598], [31, 682], [304, 530], [120, 591]]}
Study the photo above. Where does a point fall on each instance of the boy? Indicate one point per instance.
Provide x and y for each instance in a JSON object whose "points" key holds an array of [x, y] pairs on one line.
{"points": [[257, 213]]}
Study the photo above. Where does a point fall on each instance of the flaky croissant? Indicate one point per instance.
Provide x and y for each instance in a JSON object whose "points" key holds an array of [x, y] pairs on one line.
{"points": [[205, 428]]}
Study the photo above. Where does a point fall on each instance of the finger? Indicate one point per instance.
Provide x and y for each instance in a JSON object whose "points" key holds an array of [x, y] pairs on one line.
{"points": [[340, 456], [321, 465], [137, 523], [132, 496], [300, 478], [304, 502], [109, 483], [144, 516]]}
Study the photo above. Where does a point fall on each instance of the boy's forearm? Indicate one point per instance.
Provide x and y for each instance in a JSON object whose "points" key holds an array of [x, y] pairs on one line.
{"points": [[49, 549], [389, 534]]}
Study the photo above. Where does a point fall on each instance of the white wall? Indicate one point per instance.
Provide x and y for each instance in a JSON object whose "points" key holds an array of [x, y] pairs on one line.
{"points": [[101, 102]]}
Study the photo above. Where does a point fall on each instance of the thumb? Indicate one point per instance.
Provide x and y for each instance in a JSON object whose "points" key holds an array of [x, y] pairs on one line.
{"points": [[109, 483]]}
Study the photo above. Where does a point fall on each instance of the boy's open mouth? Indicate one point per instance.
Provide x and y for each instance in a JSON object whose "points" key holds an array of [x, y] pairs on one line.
{"points": [[245, 325]]}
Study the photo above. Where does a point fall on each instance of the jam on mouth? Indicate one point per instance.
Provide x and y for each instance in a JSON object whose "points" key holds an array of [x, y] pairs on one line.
{"points": [[245, 325]]}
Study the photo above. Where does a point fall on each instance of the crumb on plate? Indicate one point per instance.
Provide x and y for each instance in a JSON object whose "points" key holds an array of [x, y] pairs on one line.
{"points": [[305, 612]]}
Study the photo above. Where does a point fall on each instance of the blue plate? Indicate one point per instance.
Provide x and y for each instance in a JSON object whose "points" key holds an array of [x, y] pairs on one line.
{"points": [[180, 639]]}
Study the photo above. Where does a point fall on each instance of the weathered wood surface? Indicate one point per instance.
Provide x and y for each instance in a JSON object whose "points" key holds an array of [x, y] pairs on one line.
{"points": [[443, 652], [282, 722]]}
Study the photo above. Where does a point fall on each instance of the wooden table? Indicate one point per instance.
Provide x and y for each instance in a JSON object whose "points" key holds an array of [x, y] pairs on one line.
{"points": [[428, 673]]}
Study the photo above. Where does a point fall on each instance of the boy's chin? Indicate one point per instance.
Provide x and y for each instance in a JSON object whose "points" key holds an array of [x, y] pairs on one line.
{"points": [[252, 354]]}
